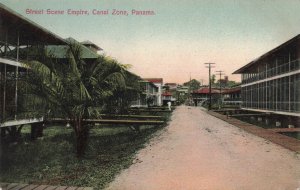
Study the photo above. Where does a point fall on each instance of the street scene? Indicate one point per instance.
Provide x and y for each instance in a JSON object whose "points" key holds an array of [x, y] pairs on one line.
{"points": [[140, 95], [199, 151]]}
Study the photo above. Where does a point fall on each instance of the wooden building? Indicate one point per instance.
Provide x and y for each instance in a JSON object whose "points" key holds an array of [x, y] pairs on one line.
{"points": [[16, 34], [148, 95], [232, 96], [202, 95], [159, 83], [167, 96], [271, 83]]}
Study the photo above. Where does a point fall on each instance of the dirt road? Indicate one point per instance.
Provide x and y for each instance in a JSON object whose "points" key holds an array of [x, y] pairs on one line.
{"points": [[199, 151]]}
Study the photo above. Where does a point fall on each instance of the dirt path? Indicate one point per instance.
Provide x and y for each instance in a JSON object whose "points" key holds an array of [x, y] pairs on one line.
{"points": [[199, 151]]}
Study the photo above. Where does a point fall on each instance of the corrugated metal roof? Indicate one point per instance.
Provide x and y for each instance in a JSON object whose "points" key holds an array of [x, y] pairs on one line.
{"points": [[88, 42], [29, 30], [60, 51]]}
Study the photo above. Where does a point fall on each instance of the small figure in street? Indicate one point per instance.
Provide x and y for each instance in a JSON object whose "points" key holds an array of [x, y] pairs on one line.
{"points": [[169, 105], [195, 103]]}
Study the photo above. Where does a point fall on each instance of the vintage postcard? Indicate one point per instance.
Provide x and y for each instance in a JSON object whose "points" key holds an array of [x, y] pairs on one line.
{"points": [[149, 95]]}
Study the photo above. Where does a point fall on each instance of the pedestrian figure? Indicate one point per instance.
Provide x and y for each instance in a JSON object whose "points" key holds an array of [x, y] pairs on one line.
{"points": [[195, 103], [169, 105]]}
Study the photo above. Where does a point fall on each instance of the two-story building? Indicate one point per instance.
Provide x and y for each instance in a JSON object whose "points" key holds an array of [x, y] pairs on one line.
{"points": [[159, 83], [148, 95], [271, 83], [16, 34]]}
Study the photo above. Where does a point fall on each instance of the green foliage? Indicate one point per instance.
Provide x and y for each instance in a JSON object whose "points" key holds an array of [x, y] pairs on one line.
{"points": [[121, 99], [229, 84], [50, 159], [232, 83], [75, 88], [194, 84], [213, 79], [166, 88]]}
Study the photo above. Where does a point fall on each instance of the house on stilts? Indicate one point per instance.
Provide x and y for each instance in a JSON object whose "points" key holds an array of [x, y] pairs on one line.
{"points": [[271, 83], [18, 33]]}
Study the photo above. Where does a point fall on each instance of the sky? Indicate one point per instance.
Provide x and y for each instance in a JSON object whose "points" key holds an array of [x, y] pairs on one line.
{"points": [[174, 43]]}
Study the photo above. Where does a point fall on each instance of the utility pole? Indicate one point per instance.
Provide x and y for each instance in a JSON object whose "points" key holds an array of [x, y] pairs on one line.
{"points": [[220, 73], [209, 69], [189, 91], [201, 82]]}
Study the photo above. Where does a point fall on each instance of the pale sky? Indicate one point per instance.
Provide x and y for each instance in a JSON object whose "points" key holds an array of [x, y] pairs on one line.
{"points": [[180, 37]]}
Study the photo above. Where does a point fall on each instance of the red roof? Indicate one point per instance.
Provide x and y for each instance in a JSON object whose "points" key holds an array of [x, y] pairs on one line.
{"points": [[171, 84], [167, 94], [154, 80], [205, 90]]}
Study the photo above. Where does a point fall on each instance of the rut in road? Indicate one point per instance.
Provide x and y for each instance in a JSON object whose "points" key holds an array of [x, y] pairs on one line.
{"points": [[199, 151]]}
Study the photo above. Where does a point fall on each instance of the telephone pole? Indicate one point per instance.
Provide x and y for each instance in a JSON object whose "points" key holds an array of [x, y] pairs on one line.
{"points": [[189, 91], [220, 73], [209, 69]]}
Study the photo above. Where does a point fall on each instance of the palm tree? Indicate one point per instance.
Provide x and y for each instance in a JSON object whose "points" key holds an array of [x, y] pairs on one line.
{"points": [[122, 98], [75, 89]]}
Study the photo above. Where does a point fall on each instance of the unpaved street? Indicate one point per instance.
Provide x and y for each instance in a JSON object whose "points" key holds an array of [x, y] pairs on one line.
{"points": [[199, 151]]}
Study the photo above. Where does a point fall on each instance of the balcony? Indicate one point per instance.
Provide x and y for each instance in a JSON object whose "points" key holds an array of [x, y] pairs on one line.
{"points": [[275, 71]]}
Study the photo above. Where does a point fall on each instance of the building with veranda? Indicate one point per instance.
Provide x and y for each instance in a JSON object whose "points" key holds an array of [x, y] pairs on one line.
{"points": [[271, 83], [17, 34]]}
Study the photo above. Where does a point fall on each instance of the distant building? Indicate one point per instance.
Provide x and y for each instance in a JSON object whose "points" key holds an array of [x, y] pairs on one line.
{"points": [[171, 86], [169, 93], [159, 83], [232, 96], [202, 94], [271, 83], [182, 93], [224, 81], [148, 95], [168, 97], [182, 89]]}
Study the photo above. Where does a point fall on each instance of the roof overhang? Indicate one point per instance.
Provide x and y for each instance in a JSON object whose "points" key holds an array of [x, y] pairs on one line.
{"points": [[29, 31], [244, 68], [89, 43]]}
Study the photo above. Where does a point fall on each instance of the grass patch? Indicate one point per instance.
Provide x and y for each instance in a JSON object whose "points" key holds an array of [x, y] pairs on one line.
{"points": [[51, 159]]}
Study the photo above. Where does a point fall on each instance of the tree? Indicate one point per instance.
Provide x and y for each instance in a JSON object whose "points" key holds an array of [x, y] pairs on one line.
{"points": [[213, 79], [228, 84], [194, 84], [232, 83], [121, 99], [166, 88], [75, 89]]}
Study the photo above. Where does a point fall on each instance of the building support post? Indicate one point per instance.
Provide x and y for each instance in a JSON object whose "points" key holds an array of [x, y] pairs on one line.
{"points": [[267, 121], [16, 77], [3, 132], [276, 87], [4, 95], [290, 122], [266, 97], [289, 82]]}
